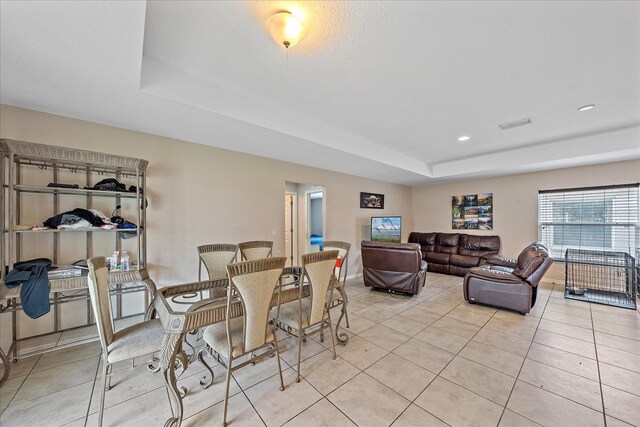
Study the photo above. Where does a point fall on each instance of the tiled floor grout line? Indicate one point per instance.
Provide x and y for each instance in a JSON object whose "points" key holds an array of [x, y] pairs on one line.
{"points": [[363, 371], [520, 370], [95, 380], [445, 367], [595, 346], [21, 385]]}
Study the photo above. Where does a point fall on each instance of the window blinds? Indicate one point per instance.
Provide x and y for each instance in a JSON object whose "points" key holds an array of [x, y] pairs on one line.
{"points": [[594, 218]]}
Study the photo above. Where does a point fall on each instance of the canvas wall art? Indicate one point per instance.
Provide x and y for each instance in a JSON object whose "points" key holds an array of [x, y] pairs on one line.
{"points": [[472, 212], [371, 201]]}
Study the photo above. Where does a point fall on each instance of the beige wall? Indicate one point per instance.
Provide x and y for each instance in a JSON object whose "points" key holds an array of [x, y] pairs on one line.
{"points": [[515, 201], [200, 194]]}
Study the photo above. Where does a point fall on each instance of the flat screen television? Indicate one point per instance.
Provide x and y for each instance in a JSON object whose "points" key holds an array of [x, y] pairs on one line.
{"points": [[386, 229]]}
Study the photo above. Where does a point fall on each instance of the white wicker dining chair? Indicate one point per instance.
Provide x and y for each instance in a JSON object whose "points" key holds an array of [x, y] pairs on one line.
{"points": [[339, 297], [310, 314], [256, 249], [252, 283], [133, 341]]}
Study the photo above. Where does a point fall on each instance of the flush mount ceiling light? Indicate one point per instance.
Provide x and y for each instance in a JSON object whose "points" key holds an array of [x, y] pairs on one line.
{"points": [[285, 29], [464, 138], [587, 107]]}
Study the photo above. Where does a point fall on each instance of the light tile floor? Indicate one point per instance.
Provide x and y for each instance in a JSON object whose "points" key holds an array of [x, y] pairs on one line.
{"points": [[430, 360]]}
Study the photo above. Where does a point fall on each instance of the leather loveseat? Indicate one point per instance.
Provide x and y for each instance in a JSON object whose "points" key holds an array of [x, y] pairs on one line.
{"points": [[454, 253], [509, 283], [393, 266]]}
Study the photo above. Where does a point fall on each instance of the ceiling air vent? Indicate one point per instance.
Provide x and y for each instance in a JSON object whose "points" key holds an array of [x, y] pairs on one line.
{"points": [[515, 124]]}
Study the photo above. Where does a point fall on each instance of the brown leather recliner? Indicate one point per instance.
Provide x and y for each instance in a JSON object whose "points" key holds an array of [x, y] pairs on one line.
{"points": [[393, 266], [508, 283]]}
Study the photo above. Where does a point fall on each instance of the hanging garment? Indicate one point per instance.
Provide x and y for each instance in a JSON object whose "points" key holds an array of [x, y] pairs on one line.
{"points": [[34, 294]]}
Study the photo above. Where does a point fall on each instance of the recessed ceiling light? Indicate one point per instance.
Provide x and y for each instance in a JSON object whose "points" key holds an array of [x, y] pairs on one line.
{"points": [[464, 138], [587, 107]]}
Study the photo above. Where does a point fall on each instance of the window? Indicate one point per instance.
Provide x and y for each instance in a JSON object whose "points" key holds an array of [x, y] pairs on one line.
{"points": [[596, 218]]}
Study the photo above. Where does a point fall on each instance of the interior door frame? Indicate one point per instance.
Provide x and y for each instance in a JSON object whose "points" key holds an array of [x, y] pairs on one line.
{"points": [[293, 233], [307, 198]]}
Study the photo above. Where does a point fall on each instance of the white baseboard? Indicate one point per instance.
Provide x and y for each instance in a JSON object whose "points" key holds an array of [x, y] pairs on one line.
{"points": [[354, 276]]}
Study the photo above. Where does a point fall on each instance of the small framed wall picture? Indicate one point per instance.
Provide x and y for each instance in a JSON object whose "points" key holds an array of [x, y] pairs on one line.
{"points": [[371, 201]]}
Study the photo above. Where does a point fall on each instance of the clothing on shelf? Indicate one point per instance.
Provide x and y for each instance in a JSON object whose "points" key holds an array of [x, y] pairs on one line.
{"points": [[108, 184], [33, 277], [73, 217], [72, 221], [101, 215]]}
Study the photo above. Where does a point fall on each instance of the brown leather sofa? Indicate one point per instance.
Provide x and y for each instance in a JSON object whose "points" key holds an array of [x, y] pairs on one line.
{"points": [[454, 253], [509, 283], [393, 266]]}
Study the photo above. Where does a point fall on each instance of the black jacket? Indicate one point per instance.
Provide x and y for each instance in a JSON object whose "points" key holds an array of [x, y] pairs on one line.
{"points": [[33, 277]]}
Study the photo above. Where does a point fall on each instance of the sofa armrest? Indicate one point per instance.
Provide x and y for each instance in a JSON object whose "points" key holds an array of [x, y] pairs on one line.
{"points": [[423, 266], [494, 259]]}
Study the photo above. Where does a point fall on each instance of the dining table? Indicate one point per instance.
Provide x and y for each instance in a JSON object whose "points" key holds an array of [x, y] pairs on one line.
{"points": [[184, 309]]}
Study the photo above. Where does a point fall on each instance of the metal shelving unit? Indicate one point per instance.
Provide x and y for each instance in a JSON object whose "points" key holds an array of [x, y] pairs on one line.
{"points": [[49, 162]]}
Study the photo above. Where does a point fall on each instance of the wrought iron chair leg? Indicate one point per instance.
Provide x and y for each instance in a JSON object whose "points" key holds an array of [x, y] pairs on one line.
{"points": [[226, 394], [109, 371], [346, 315], [333, 340], [208, 368], [150, 365], [6, 365], [299, 352], [105, 370], [275, 340]]}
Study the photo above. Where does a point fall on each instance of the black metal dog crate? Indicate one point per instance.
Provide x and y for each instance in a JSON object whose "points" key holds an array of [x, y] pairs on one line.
{"points": [[600, 276]]}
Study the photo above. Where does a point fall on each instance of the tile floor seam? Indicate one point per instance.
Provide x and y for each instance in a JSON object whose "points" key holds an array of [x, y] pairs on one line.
{"points": [[49, 394], [263, 380], [324, 396], [561, 349], [604, 415], [332, 404], [560, 395], [86, 415], [624, 369], [485, 366], [520, 371], [567, 324], [437, 375], [21, 385], [377, 345], [618, 349], [615, 335], [66, 363], [568, 336], [563, 370]]}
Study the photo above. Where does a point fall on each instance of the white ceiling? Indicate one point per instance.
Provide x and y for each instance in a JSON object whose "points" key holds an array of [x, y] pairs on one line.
{"points": [[376, 89]]}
